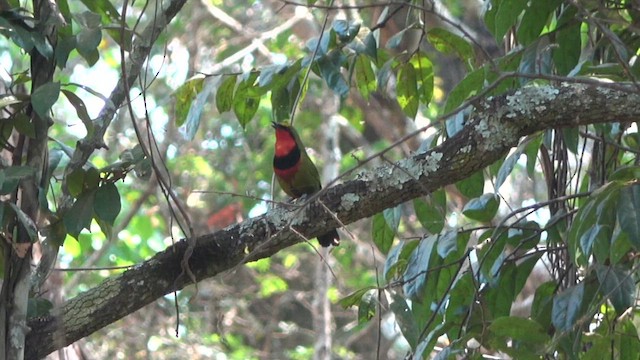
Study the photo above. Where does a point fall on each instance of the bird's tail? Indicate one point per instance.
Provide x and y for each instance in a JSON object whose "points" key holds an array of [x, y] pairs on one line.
{"points": [[330, 238]]}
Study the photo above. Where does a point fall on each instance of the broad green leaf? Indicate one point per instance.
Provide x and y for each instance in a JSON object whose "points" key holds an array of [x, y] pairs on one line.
{"points": [[63, 49], [80, 214], [415, 277], [531, 151], [449, 43], [588, 215], [330, 69], [470, 86], [618, 285], [627, 340], [10, 177], [542, 304], [382, 234], [628, 209], [43, 98], [526, 236], [81, 110], [392, 217], [407, 90], [535, 17], [454, 124], [398, 258], [503, 15], [107, 203], [245, 104], [26, 222], [566, 307], [365, 77], [354, 298], [483, 208], [344, 30], [507, 166], [424, 76], [104, 8], [626, 173], [38, 307], [567, 53], [473, 186], [197, 106], [447, 243], [519, 330], [224, 95], [185, 95], [367, 307], [431, 216], [405, 318]]}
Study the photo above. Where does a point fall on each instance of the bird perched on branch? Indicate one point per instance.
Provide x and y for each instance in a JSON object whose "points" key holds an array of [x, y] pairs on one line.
{"points": [[296, 173]]}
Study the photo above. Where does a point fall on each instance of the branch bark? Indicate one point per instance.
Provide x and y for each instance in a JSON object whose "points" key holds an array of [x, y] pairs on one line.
{"points": [[493, 129]]}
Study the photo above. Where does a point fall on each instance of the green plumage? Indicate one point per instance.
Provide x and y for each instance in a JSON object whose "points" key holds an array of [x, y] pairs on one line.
{"points": [[296, 173]]}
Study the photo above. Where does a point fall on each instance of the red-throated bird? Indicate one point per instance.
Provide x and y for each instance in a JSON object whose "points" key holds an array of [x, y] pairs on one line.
{"points": [[296, 173]]}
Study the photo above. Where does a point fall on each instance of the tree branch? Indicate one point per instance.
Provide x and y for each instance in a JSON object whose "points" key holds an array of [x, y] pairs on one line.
{"points": [[493, 129]]}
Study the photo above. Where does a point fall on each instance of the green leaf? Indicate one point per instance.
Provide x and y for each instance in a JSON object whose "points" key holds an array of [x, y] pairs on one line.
{"points": [[588, 215], [535, 17], [354, 298], [519, 329], [392, 217], [470, 86], [224, 95], [81, 110], [415, 277], [88, 39], [245, 103], [449, 43], [397, 259], [184, 96], [566, 307], [567, 54], [473, 186], [424, 76], [406, 319], [627, 340], [107, 203], [447, 243], [431, 217], [382, 233], [105, 8], [407, 90], [26, 221], [503, 15], [344, 30], [482, 209], [80, 214], [367, 308], [43, 98], [542, 304], [38, 307], [10, 177], [628, 210], [197, 106], [618, 285], [330, 70], [365, 77]]}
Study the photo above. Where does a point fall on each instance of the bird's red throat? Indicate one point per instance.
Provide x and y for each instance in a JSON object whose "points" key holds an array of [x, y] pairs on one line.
{"points": [[284, 142]]}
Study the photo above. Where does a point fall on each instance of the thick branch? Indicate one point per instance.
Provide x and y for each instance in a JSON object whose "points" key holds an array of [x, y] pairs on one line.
{"points": [[492, 131]]}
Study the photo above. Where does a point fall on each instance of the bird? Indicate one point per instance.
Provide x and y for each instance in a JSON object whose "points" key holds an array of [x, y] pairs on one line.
{"points": [[296, 173]]}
